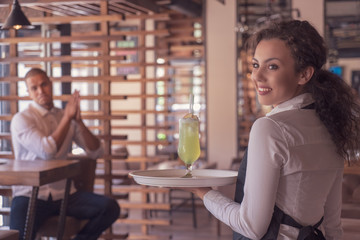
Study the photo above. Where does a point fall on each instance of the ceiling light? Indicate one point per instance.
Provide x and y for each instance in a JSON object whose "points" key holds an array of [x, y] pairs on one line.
{"points": [[16, 18]]}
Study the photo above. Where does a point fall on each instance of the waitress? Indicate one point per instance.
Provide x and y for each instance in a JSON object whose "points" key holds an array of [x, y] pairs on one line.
{"points": [[296, 153]]}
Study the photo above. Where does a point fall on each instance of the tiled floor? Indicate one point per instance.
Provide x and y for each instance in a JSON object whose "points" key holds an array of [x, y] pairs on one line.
{"points": [[207, 227], [182, 227]]}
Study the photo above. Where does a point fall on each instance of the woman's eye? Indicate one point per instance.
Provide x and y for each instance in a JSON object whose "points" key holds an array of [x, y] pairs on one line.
{"points": [[255, 65], [273, 67]]}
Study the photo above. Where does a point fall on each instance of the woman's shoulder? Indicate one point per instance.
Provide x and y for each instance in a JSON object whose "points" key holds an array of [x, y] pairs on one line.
{"points": [[294, 117], [266, 126], [274, 120], [288, 124]]}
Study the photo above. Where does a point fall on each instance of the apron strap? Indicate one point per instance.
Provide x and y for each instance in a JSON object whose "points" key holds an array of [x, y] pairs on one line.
{"points": [[304, 231], [310, 106], [240, 182]]}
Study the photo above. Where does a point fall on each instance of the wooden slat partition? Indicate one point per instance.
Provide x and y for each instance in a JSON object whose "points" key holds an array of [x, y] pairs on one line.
{"points": [[161, 222], [146, 206], [99, 18], [119, 54], [82, 39], [66, 97], [137, 189]]}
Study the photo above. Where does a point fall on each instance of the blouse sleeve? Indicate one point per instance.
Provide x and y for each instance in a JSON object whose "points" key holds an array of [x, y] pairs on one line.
{"points": [[267, 152]]}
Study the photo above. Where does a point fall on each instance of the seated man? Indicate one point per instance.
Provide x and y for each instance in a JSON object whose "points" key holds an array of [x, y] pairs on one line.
{"points": [[45, 132]]}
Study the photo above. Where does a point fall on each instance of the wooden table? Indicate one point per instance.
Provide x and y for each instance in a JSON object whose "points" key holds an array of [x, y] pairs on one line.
{"points": [[37, 173]]}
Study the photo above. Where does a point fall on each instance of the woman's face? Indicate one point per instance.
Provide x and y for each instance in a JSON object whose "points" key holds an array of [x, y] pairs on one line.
{"points": [[274, 73]]}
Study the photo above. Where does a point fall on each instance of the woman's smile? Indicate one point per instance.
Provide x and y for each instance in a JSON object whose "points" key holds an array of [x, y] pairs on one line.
{"points": [[264, 90]]}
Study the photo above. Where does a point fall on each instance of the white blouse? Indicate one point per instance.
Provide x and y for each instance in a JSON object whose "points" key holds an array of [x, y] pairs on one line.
{"points": [[292, 162]]}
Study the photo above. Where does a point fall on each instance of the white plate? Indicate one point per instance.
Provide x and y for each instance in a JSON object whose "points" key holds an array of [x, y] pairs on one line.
{"points": [[173, 178]]}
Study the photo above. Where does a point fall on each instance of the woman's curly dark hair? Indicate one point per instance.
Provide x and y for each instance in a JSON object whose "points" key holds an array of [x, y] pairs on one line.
{"points": [[335, 103]]}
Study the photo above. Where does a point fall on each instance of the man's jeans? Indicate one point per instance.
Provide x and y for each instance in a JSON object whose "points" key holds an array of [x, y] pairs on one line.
{"points": [[101, 211]]}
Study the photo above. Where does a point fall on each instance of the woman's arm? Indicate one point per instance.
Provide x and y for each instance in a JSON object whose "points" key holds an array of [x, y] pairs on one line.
{"points": [[266, 153]]}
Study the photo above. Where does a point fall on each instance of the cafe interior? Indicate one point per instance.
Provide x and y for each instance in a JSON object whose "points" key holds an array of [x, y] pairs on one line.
{"points": [[136, 64]]}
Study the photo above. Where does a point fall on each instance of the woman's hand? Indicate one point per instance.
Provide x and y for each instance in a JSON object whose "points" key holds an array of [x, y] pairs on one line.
{"points": [[200, 192]]}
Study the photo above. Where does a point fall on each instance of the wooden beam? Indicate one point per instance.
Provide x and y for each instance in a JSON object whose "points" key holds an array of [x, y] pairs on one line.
{"points": [[70, 10], [26, 3], [144, 6], [187, 7], [142, 143], [92, 79], [96, 18], [162, 222], [139, 188], [165, 127], [86, 8], [66, 97], [140, 112], [47, 10], [59, 10], [124, 8], [60, 59], [149, 206], [89, 38]]}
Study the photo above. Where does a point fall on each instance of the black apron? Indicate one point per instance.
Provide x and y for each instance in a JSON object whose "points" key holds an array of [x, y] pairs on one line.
{"points": [[279, 217]]}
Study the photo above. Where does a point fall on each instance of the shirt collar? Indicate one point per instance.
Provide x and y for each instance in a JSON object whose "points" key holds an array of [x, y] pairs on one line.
{"points": [[297, 102], [41, 110]]}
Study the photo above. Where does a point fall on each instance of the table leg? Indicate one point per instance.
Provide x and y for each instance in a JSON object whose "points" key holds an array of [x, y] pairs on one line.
{"points": [[30, 216], [63, 210]]}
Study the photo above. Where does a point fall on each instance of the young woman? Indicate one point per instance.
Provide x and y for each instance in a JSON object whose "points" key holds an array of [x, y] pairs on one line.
{"points": [[296, 153]]}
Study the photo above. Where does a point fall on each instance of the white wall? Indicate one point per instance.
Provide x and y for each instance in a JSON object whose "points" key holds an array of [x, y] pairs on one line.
{"points": [[221, 81], [311, 11]]}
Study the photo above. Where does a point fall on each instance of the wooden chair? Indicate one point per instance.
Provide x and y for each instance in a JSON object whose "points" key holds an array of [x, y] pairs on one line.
{"points": [[84, 181]]}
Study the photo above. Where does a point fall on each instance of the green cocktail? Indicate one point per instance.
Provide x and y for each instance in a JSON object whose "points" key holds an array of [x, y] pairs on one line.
{"points": [[189, 145]]}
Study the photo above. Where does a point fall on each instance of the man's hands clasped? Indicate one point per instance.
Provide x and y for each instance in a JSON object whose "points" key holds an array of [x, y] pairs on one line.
{"points": [[72, 109]]}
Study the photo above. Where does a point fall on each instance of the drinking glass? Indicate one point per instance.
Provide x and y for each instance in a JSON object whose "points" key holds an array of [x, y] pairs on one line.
{"points": [[189, 145]]}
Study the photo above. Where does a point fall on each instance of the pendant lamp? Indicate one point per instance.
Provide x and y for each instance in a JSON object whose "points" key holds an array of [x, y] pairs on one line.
{"points": [[17, 18]]}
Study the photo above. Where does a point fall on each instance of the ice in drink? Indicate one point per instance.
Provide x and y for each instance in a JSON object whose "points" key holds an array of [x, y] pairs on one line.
{"points": [[189, 145]]}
